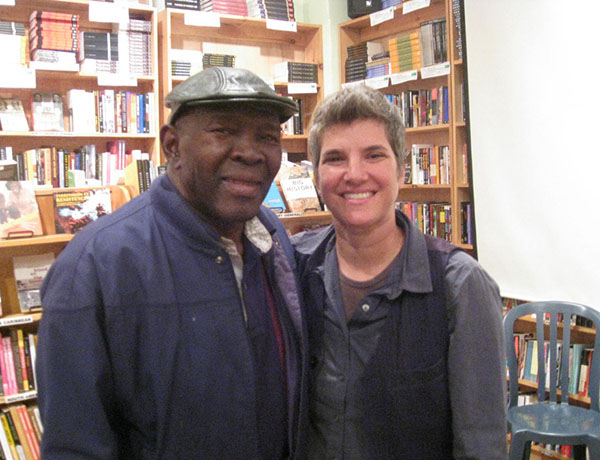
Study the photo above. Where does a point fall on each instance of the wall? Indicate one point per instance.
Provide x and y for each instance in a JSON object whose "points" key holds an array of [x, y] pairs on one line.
{"points": [[535, 156], [328, 13]]}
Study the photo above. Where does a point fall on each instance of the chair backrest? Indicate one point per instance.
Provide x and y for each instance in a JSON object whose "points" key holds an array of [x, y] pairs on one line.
{"points": [[547, 318]]}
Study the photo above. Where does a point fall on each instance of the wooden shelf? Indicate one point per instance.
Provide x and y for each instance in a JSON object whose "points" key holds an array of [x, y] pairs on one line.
{"points": [[453, 133]]}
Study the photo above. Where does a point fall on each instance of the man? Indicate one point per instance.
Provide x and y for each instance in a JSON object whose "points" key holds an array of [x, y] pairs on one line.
{"points": [[405, 330], [172, 327]]}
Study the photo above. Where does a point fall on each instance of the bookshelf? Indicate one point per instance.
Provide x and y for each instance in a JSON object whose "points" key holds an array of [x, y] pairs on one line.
{"points": [[256, 47], [61, 79], [452, 133]]}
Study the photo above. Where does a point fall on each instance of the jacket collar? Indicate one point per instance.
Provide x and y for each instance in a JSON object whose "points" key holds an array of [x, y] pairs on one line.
{"points": [[410, 270]]}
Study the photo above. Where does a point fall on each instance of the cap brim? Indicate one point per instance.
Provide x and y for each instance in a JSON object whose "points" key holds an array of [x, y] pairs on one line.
{"points": [[284, 108]]}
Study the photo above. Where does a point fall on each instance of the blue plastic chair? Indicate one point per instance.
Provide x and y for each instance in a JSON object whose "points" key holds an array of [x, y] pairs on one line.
{"points": [[549, 421]]}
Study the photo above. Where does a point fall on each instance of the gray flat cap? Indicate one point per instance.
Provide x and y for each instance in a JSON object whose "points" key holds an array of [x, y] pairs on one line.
{"points": [[227, 85]]}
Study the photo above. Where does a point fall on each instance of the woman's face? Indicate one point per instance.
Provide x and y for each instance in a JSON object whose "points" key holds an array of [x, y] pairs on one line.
{"points": [[359, 176]]}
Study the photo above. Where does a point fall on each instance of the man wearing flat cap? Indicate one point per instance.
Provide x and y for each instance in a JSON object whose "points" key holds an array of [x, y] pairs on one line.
{"points": [[172, 328]]}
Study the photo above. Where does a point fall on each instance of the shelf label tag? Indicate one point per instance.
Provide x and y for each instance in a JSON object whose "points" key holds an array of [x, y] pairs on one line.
{"points": [[436, 70], [381, 16], [7, 2], [17, 76], [108, 12], [116, 79], [16, 320], [397, 78], [413, 5], [202, 18], [277, 24], [302, 88], [378, 82], [353, 83]]}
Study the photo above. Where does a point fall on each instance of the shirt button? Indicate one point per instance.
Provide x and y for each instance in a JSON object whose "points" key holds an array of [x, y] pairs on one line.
{"points": [[219, 259], [366, 307]]}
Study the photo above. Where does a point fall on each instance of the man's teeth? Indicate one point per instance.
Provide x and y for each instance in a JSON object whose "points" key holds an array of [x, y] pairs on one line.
{"points": [[357, 196]]}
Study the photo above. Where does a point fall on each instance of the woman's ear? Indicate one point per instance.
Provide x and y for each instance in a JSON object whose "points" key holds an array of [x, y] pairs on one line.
{"points": [[169, 140]]}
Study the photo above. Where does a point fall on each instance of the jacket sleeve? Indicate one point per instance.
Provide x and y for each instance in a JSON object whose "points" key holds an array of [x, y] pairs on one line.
{"points": [[73, 371], [476, 363]]}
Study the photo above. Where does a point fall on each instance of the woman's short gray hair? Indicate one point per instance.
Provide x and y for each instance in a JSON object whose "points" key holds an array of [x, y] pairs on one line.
{"points": [[351, 103]]}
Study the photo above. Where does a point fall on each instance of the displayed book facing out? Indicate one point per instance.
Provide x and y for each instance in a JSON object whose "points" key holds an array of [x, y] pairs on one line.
{"points": [[19, 213], [74, 209], [298, 189], [29, 274], [47, 112], [274, 200], [12, 115]]}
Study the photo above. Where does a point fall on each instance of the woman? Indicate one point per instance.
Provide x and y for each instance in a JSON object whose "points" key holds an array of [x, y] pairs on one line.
{"points": [[405, 329]]}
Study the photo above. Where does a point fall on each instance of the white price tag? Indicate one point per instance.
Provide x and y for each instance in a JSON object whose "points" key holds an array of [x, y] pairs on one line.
{"points": [[381, 16], [302, 88], [276, 24], [202, 18], [378, 82], [7, 2], [413, 5], [108, 12], [436, 70], [116, 79], [17, 77], [397, 78]]}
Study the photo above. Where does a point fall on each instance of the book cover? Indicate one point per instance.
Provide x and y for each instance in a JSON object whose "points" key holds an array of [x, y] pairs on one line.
{"points": [[12, 115], [298, 189], [47, 112], [74, 209], [19, 213], [273, 200], [29, 274]]}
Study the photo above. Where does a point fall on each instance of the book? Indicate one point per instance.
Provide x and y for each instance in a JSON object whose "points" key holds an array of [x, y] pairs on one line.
{"points": [[47, 111], [19, 213], [74, 209], [29, 273], [298, 189], [273, 200], [12, 115]]}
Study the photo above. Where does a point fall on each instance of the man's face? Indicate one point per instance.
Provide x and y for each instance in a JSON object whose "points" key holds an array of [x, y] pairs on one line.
{"points": [[223, 161]]}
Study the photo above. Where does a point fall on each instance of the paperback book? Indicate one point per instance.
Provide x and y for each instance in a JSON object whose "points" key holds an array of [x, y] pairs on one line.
{"points": [[19, 213], [74, 209], [29, 274]]}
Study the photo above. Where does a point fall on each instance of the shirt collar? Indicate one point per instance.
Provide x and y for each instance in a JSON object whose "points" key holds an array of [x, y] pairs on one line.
{"points": [[256, 233]]}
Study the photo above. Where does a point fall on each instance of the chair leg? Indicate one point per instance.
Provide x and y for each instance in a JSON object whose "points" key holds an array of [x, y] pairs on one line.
{"points": [[520, 447], [579, 452], [527, 451]]}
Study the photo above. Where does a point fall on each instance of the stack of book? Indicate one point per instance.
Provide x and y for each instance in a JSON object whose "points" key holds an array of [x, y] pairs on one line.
{"points": [[296, 72], [185, 63], [181, 4], [378, 67], [98, 52], [432, 36], [235, 7], [282, 10], [405, 52], [13, 43], [218, 60], [135, 47], [53, 36], [359, 55]]}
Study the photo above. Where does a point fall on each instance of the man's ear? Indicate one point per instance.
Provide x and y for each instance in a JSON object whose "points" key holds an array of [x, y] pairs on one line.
{"points": [[169, 140]]}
